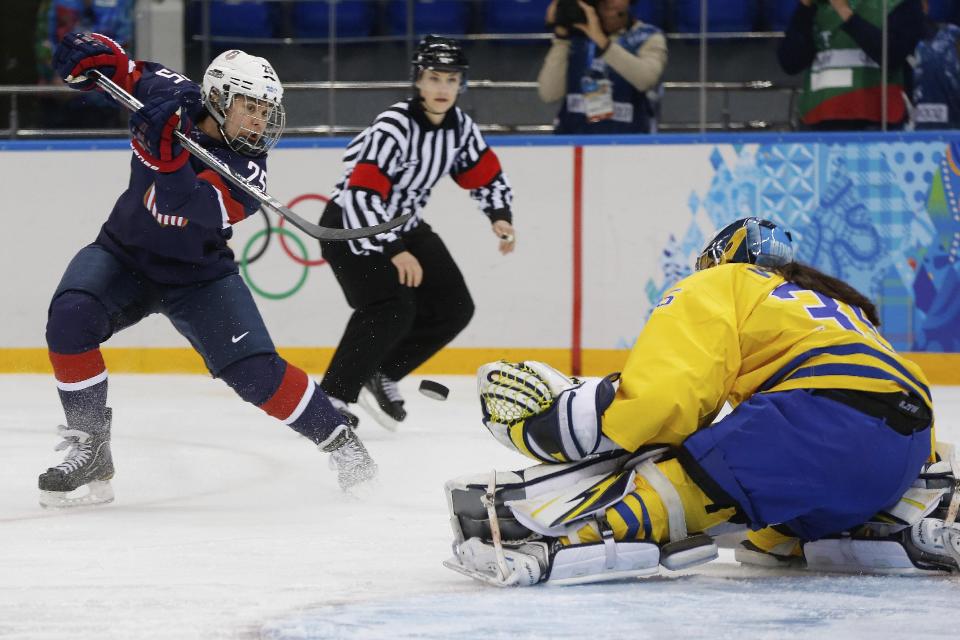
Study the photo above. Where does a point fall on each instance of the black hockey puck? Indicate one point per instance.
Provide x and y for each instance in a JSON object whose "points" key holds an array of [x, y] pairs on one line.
{"points": [[434, 390]]}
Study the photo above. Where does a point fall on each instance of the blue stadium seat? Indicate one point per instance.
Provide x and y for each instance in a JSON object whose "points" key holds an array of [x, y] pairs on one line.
{"points": [[355, 18], [651, 11], [942, 10], [243, 19], [777, 13], [722, 15], [429, 16], [514, 16]]}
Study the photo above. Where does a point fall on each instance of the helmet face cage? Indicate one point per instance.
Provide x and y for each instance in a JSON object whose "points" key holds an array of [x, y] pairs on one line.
{"points": [[258, 124], [751, 241], [440, 54], [244, 95]]}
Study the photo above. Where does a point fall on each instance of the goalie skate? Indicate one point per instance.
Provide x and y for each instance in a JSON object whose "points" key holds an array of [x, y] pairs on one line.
{"points": [[83, 478], [525, 564]]}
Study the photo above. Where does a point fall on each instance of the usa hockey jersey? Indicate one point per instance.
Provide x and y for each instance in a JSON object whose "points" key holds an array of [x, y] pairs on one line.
{"points": [[726, 333], [174, 227]]}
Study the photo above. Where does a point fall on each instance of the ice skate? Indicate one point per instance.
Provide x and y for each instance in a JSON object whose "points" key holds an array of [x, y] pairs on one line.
{"points": [[88, 465], [933, 544], [381, 399], [350, 458]]}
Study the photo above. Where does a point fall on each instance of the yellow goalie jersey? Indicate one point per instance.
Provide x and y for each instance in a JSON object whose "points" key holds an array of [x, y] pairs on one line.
{"points": [[726, 333]]}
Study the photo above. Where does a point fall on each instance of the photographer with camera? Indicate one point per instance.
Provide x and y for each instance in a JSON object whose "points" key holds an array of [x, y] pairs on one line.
{"points": [[839, 44], [606, 66]]}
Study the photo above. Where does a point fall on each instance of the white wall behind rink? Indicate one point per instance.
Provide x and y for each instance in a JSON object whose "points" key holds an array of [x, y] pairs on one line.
{"points": [[634, 198]]}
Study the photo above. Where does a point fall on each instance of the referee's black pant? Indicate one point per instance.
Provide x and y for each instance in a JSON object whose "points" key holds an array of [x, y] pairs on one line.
{"points": [[394, 328]]}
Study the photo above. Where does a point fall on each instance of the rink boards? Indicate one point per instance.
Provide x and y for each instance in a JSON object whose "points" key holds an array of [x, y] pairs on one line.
{"points": [[604, 227]]}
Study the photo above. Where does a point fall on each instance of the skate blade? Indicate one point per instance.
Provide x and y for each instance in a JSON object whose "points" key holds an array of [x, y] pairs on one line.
{"points": [[369, 404], [479, 576], [91, 494]]}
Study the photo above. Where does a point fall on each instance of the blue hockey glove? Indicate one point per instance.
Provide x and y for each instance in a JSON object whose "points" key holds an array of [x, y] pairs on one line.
{"points": [[153, 127], [80, 52]]}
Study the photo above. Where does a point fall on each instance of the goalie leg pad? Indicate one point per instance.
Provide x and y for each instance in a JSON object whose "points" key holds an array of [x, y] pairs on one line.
{"points": [[588, 563], [469, 517], [532, 563], [930, 545], [847, 555], [536, 562], [689, 552]]}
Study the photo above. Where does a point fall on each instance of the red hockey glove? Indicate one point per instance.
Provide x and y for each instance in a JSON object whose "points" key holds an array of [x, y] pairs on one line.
{"points": [[153, 127], [81, 52]]}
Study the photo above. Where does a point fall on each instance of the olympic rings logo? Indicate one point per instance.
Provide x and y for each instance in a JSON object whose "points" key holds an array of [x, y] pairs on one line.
{"points": [[248, 256]]}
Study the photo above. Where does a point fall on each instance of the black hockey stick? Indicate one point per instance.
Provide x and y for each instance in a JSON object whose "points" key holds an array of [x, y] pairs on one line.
{"points": [[265, 199]]}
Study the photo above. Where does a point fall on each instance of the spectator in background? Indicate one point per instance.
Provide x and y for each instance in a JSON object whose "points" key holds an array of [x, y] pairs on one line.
{"points": [[841, 51], [43, 46], [936, 76], [112, 18], [607, 69], [56, 18]]}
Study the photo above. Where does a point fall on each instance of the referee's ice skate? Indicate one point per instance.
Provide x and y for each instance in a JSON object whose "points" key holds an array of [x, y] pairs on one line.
{"points": [[86, 470], [382, 400]]}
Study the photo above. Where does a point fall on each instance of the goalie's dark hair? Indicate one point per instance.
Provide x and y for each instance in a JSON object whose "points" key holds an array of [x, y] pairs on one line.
{"points": [[807, 277]]}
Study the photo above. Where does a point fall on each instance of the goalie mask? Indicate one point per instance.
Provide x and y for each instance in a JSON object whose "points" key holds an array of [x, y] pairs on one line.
{"points": [[748, 240], [244, 95], [440, 54]]}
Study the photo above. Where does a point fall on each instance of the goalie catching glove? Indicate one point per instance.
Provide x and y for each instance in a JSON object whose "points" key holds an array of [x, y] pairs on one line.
{"points": [[533, 408]]}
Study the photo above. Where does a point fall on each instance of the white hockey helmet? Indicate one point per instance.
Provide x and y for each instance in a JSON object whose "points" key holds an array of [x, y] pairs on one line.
{"points": [[234, 74]]}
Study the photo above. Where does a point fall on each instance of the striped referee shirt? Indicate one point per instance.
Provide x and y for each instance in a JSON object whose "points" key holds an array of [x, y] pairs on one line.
{"points": [[394, 163]]}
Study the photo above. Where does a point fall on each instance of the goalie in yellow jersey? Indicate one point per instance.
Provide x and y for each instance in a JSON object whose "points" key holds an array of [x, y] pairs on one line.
{"points": [[828, 456]]}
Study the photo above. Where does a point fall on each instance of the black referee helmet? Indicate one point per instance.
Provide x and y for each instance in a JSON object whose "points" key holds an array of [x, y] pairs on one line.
{"points": [[440, 54]]}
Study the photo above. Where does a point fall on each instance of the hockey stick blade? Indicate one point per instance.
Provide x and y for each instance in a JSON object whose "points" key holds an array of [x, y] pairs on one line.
{"points": [[265, 199]]}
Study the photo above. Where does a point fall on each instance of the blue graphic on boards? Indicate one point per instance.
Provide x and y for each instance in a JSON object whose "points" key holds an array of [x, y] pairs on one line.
{"points": [[882, 216]]}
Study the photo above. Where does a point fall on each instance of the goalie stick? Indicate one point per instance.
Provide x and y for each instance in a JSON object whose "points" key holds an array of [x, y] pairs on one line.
{"points": [[265, 199], [489, 500]]}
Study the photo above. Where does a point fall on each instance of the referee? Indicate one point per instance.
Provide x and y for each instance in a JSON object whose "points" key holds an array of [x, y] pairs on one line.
{"points": [[408, 296]]}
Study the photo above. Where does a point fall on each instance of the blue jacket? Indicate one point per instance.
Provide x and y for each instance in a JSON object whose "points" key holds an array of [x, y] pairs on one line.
{"points": [[634, 111], [936, 80]]}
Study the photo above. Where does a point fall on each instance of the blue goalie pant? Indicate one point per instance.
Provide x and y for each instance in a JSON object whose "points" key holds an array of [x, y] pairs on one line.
{"points": [[804, 460]]}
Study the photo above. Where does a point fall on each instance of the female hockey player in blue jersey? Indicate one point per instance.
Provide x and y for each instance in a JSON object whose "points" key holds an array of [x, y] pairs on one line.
{"points": [[829, 427], [163, 249]]}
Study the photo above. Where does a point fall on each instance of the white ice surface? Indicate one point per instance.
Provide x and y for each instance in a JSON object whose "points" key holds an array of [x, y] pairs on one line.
{"points": [[229, 525]]}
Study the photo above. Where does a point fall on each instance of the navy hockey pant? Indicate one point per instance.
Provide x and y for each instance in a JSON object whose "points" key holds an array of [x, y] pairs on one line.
{"points": [[99, 296]]}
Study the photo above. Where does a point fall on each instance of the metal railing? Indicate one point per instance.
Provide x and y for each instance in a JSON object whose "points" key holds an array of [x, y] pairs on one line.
{"points": [[726, 123], [332, 39], [703, 86]]}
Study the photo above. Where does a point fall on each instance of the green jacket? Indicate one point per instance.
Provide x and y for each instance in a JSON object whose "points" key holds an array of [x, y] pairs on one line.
{"points": [[844, 83]]}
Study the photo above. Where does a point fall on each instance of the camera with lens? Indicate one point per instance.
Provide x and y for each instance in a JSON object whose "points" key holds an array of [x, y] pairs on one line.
{"points": [[569, 13]]}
